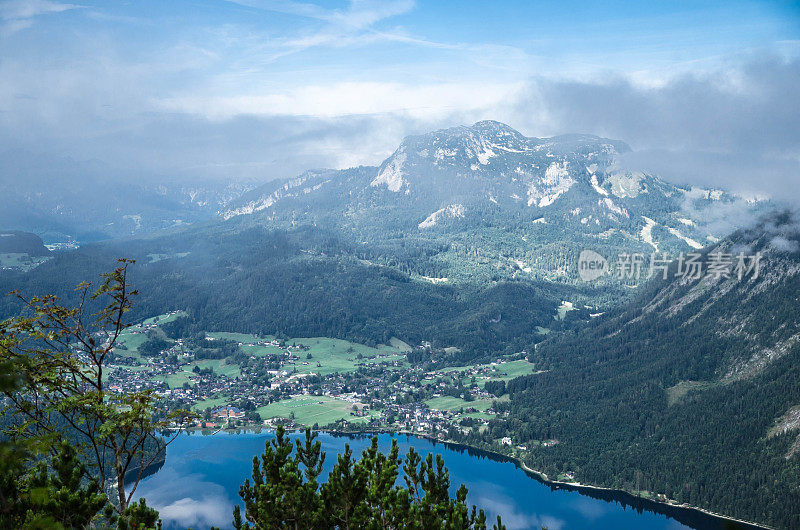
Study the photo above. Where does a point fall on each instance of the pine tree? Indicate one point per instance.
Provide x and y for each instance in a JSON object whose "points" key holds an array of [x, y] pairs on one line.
{"points": [[359, 493], [63, 494]]}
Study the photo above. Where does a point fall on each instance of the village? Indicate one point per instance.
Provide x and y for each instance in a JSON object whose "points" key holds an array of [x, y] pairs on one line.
{"points": [[317, 383]]}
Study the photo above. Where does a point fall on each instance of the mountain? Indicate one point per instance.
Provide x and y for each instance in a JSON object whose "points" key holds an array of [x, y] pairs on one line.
{"points": [[467, 239], [499, 201], [65, 201], [17, 242], [690, 391], [21, 250], [479, 203]]}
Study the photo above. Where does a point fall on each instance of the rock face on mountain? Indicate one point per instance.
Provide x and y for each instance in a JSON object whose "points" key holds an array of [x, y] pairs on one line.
{"points": [[555, 195]]}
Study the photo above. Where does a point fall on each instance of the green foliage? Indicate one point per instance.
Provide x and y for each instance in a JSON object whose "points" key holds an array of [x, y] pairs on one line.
{"points": [[498, 388], [63, 494], [153, 346], [59, 355], [54, 497], [139, 516], [359, 493], [309, 282]]}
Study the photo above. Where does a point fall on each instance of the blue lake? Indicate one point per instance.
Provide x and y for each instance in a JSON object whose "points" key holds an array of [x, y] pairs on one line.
{"points": [[199, 483]]}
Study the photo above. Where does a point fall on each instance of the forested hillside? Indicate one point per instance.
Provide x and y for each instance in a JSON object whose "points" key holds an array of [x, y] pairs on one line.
{"points": [[306, 282], [687, 391]]}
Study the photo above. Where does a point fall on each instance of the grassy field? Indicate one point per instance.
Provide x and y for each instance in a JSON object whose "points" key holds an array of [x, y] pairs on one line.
{"points": [[498, 372], [309, 410], [21, 260], [677, 392], [132, 337], [131, 341], [163, 319], [212, 403], [455, 403], [512, 369], [219, 366], [333, 355], [177, 379], [238, 337], [398, 344]]}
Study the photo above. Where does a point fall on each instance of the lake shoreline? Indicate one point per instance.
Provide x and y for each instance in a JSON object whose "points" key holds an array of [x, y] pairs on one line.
{"points": [[533, 473], [577, 486]]}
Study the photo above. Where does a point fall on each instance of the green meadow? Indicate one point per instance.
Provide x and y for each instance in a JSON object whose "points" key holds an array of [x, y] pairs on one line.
{"points": [[308, 410]]}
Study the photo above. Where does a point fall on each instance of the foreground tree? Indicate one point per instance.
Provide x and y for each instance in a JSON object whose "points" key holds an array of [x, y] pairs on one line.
{"points": [[285, 492], [36, 495], [59, 355]]}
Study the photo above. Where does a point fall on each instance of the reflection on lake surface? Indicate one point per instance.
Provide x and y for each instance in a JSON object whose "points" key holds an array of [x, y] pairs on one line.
{"points": [[199, 484]]}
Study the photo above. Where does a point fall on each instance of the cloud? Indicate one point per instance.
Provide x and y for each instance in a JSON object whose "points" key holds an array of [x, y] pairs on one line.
{"points": [[230, 99], [213, 511], [341, 27], [782, 244], [591, 509], [737, 127], [513, 516], [20, 14], [359, 14], [350, 98]]}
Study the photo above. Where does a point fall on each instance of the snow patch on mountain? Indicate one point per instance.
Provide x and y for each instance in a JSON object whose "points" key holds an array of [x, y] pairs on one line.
{"points": [[689, 241], [596, 185], [627, 184], [521, 265], [435, 280], [453, 211], [609, 204], [555, 183], [647, 232], [392, 173], [309, 189], [484, 155], [269, 200]]}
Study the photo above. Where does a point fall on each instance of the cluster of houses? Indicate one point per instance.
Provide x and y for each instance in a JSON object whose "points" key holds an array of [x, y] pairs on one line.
{"points": [[398, 394]]}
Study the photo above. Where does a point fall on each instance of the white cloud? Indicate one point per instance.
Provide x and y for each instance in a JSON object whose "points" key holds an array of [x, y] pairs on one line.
{"points": [[782, 244], [340, 27], [350, 98], [192, 512], [360, 14], [19, 14], [225, 98]]}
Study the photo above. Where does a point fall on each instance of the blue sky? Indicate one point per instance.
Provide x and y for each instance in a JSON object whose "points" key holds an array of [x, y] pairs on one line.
{"points": [[261, 89]]}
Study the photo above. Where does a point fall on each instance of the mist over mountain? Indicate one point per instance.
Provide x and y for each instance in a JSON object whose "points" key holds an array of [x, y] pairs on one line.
{"points": [[565, 234], [484, 201], [476, 186], [64, 200]]}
